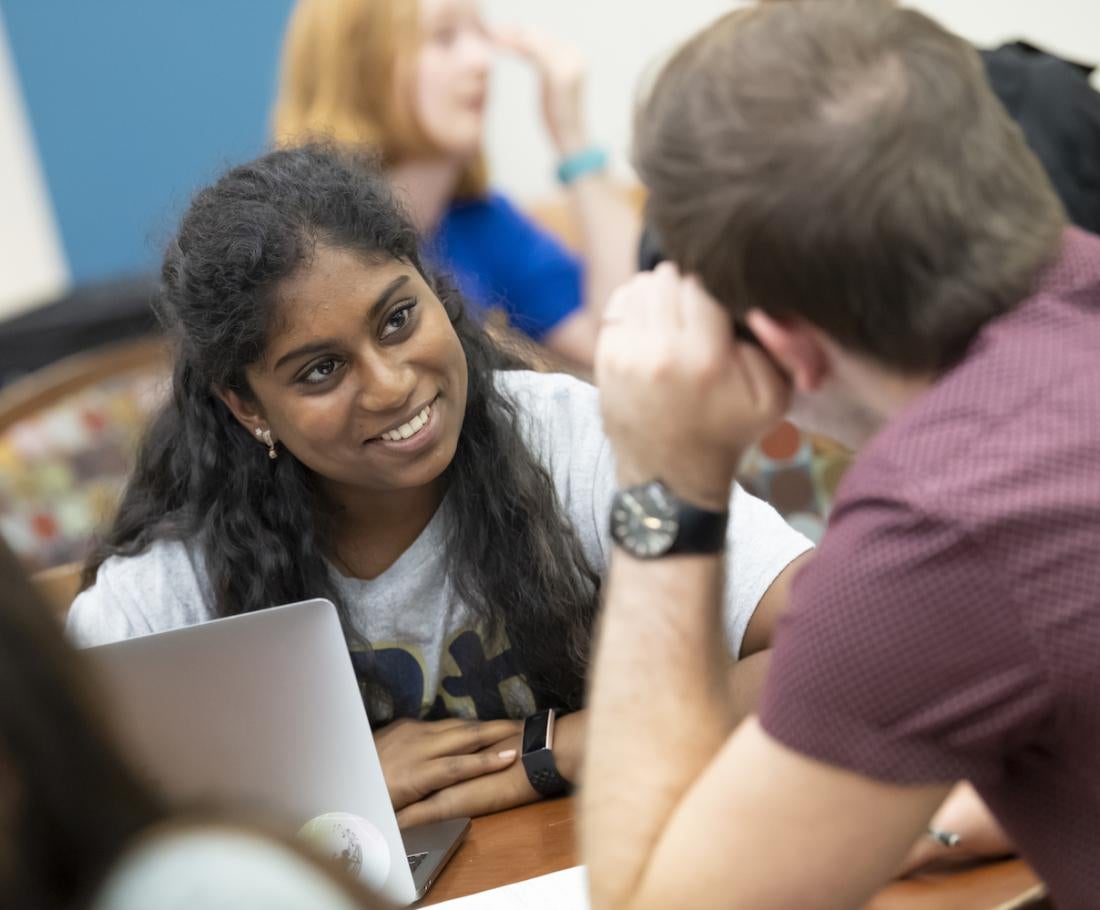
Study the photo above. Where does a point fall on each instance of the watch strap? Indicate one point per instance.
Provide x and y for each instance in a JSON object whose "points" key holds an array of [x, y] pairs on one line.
{"points": [[701, 531], [538, 764], [546, 780]]}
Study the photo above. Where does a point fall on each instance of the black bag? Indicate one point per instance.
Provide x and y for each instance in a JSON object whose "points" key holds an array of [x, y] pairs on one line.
{"points": [[83, 319], [1059, 113]]}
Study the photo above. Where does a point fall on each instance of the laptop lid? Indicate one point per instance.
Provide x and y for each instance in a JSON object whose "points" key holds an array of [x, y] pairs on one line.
{"points": [[260, 711]]}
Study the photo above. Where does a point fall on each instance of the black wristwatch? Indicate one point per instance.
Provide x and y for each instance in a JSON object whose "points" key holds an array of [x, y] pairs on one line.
{"points": [[538, 754], [649, 521]]}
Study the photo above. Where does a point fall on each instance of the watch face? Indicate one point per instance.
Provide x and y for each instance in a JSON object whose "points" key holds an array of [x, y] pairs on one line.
{"points": [[644, 520], [534, 734]]}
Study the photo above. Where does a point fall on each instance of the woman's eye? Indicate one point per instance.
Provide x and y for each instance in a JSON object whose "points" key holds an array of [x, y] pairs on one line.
{"points": [[321, 371], [398, 319]]}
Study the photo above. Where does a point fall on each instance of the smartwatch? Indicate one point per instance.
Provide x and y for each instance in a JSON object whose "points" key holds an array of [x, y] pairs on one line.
{"points": [[538, 754]]}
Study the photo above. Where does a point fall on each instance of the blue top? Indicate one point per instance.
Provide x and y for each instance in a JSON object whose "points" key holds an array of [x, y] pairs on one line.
{"points": [[500, 259]]}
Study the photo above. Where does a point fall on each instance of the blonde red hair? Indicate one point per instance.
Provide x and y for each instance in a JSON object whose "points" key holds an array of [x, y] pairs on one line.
{"points": [[343, 63]]}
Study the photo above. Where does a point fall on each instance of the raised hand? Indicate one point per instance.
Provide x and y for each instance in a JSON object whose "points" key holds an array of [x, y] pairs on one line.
{"points": [[561, 69], [682, 399]]}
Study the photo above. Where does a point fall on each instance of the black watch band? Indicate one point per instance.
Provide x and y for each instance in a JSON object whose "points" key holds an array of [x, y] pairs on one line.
{"points": [[538, 754], [701, 531]]}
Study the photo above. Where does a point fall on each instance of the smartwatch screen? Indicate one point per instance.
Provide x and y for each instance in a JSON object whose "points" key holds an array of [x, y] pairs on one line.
{"points": [[534, 734]]}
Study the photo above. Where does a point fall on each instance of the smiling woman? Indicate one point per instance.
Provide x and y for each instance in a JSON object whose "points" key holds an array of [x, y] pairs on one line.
{"points": [[364, 352], [449, 502]]}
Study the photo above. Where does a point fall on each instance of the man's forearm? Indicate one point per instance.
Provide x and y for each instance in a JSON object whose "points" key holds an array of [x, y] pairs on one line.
{"points": [[659, 709]]}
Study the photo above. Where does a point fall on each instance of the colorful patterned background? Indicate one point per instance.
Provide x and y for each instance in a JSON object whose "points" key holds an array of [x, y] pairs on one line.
{"points": [[61, 471]]}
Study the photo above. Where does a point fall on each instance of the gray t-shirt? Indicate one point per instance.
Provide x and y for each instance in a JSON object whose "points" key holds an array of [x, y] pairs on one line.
{"points": [[426, 645]]}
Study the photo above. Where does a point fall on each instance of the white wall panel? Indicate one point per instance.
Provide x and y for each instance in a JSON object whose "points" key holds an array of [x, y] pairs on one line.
{"points": [[622, 39], [32, 264]]}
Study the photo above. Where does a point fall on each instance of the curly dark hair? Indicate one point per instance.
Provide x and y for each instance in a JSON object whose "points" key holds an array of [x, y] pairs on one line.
{"points": [[263, 527]]}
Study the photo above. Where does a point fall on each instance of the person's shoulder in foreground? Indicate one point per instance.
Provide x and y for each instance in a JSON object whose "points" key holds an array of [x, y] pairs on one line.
{"points": [[959, 586], [213, 867], [502, 258]]}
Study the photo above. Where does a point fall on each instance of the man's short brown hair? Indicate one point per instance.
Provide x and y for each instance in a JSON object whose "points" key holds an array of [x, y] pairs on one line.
{"points": [[846, 161]]}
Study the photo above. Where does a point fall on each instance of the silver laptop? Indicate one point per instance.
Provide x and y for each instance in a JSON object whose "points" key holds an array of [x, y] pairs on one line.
{"points": [[263, 712]]}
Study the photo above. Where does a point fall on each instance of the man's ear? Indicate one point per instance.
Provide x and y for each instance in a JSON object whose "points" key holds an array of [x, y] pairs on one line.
{"points": [[246, 410], [795, 345]]}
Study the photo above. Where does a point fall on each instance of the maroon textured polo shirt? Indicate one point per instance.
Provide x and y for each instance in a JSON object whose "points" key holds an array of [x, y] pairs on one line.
{"points": [[949, 626]]}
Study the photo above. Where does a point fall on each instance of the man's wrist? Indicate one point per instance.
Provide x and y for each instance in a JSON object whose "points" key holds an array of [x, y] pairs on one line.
{"points": [[650, 521], [713, 496], [710, 498]]}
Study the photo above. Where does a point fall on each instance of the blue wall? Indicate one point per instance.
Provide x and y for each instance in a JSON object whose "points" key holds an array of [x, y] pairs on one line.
{"points": [[134, 104]]}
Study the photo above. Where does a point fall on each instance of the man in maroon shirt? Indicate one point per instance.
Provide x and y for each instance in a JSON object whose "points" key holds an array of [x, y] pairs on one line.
{"points": [[839, 176]]}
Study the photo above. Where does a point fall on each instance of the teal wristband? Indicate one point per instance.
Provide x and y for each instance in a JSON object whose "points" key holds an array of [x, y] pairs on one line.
{"points": [[578, 164]]}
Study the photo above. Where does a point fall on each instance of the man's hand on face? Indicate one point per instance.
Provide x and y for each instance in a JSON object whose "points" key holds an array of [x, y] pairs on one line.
{"points": [[682, 399]]}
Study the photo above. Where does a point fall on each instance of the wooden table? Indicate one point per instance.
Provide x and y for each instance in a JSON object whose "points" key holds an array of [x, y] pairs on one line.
{"points": [[541, 838]]}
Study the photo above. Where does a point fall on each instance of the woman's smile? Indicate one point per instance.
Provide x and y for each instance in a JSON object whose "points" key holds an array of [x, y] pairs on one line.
{"points": [[412, 436]]}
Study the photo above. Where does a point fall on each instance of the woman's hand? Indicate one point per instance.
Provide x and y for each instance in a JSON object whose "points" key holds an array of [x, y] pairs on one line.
{"points": [[605, 212], [561, 70], [504, 789], [421, 757], [980, 835]]}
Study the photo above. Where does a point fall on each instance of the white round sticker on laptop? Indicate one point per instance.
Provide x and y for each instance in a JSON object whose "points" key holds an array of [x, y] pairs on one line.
{"points": [[352, 842]]}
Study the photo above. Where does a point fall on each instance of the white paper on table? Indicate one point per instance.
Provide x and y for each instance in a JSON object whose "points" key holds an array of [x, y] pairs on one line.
{"points": [[565, 890]]}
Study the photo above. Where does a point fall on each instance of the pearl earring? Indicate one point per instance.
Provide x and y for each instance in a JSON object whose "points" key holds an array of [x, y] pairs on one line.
{"points": [[265, 437]]}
